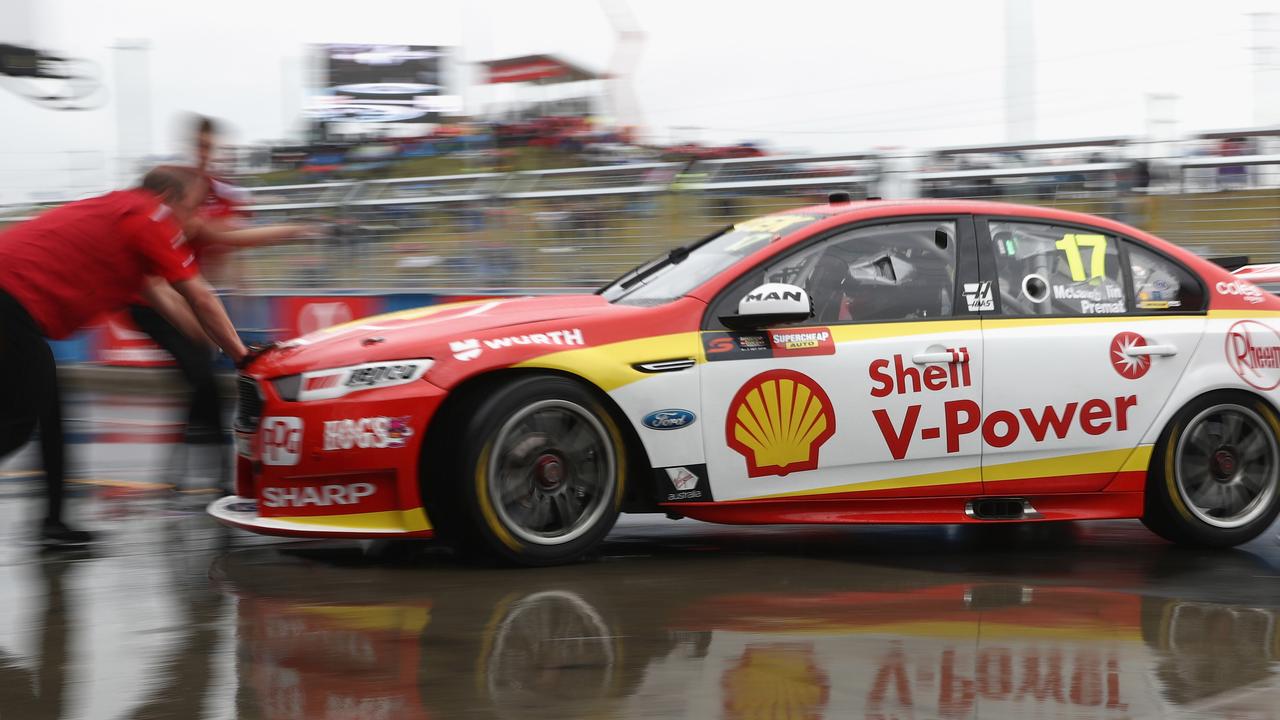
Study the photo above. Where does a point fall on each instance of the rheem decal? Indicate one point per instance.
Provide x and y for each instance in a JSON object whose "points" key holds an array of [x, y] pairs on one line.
{"points": [[1253, 352], [778, 421]]}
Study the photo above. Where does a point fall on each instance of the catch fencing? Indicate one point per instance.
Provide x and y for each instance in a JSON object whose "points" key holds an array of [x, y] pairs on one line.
{"points": [[571, 229], [533, 231]]}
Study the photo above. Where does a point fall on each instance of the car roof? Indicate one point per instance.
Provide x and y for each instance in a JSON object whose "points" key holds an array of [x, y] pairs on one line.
{"points": [[958, 207], [839, 213]]}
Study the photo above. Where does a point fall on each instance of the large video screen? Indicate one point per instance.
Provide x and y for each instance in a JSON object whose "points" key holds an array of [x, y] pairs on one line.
{"points": [[383, 84]]}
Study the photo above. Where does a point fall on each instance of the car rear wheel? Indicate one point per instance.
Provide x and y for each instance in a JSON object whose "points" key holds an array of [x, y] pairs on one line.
{"points": [[541, 475], [1215, 477]]}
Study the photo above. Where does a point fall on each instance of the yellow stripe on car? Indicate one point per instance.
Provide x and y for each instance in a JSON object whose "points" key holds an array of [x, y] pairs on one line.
{"points": [[399, 618], [609, 366], [1078, 464], [414, 520]]}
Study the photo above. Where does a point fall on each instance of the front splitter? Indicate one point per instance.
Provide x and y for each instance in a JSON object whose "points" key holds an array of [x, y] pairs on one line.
{"points": [[242, 513]]}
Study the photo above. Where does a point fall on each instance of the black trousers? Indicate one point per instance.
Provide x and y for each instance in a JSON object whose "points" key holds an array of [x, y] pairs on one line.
{"points": [[29, 396], [195, 361]]}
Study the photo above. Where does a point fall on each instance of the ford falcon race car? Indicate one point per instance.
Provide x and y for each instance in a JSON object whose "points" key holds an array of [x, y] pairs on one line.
{"points": [[868, 362]]}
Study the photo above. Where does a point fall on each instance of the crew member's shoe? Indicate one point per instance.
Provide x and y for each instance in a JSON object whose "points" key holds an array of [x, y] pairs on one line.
{"points": [[55, 534]]}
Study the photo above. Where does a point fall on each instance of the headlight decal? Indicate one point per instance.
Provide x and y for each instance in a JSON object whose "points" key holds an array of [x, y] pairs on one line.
{"points": [[334, 383]]}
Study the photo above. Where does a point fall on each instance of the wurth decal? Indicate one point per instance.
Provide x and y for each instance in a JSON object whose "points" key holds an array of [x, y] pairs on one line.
{"points": [[471, 348], [778, 420]]}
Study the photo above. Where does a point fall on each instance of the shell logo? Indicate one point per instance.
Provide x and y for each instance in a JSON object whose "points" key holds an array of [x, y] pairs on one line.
{"points": [[778, 420], [776, 681]]}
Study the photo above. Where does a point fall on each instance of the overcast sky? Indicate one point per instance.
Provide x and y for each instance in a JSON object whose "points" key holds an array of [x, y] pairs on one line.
{"points": [[796, 76]]}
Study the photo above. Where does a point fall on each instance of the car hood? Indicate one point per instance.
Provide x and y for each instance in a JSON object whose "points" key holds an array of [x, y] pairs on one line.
{"points": [[419, 332]]}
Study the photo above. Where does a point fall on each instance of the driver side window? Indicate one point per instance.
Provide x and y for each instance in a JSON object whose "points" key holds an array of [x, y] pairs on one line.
{"points": [[879, 273]]}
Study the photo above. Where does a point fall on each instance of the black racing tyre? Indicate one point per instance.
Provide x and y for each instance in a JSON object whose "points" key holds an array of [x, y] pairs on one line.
{"points": [[540, 473], [1214, 479]]}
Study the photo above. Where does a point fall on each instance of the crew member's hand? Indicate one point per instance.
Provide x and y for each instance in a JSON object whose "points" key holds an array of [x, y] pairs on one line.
{"points": [[253, 352], [312, 231]]}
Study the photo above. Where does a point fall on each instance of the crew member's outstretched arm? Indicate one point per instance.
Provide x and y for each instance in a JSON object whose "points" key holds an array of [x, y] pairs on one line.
{"points": [[212, 316]]}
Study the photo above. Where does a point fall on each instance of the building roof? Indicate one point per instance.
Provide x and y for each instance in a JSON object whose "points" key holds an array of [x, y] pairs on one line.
{"points": [[540, 69]]}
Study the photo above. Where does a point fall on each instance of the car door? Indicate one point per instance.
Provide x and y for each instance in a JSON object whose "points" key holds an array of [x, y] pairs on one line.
{"points": [[1090, 334], [867, 398]]}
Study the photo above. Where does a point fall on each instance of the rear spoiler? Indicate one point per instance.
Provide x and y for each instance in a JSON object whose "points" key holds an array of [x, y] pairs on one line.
{"points": [[1230, 262]]}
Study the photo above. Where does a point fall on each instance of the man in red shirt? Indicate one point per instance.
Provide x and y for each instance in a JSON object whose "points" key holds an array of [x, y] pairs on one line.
{"points": [[60, 271], [215, 231]]}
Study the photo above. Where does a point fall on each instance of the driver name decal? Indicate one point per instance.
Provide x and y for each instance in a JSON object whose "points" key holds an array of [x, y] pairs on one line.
{"points": [[778, 420]]}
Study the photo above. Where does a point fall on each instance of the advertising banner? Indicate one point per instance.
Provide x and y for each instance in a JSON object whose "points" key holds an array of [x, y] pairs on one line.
{"points": [[297, 316], [118, 342]]}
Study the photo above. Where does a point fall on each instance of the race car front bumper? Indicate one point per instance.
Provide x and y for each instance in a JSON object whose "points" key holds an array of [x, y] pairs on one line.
{"points": [[342, 468], [242, 513]]}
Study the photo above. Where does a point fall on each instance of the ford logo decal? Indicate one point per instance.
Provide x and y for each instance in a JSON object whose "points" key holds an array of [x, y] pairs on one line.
{"points": [[671, 419]]}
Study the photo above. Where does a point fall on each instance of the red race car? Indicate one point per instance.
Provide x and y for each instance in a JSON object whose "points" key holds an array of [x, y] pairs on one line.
{"points": [[870, 362]]}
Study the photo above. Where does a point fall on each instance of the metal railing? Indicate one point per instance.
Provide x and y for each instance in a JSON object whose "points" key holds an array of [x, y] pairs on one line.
{"points": [[535, 231], [554, 230]]}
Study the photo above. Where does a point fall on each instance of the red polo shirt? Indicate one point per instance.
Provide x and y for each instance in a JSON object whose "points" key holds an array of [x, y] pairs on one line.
{"points": [[77, 261]]}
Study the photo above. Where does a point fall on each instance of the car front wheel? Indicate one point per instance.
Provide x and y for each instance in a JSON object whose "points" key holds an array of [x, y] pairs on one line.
{"points": [[1215, 477], [541, 474]]}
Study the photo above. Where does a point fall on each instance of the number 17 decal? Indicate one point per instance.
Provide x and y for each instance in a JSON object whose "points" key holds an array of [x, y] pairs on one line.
{"points": [[1070, 245]]}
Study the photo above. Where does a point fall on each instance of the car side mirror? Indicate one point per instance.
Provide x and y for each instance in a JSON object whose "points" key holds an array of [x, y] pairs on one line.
{"points": [[770, 304]]}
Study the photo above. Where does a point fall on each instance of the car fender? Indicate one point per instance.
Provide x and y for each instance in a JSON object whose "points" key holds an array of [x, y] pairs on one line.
{"points": [[1207, 372], [644, 362]]}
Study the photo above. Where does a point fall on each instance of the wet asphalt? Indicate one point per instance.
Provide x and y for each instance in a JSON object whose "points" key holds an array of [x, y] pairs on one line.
{"points": [[172, 616]]}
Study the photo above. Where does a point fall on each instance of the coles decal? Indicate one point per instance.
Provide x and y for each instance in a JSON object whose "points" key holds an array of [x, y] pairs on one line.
{"points": [[1246, 291], [1253, 352], [778, 420], [372, 432], [961, 417]]}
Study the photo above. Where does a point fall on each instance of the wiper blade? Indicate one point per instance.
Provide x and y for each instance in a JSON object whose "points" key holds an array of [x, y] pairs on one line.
{"points": [[677, 255]]}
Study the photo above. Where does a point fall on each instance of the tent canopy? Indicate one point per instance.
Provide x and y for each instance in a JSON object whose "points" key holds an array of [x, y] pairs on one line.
{"points": [[540, 69]]}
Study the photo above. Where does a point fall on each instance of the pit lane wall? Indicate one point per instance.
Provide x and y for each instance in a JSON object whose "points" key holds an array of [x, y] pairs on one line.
{"points": [[115, 341]]}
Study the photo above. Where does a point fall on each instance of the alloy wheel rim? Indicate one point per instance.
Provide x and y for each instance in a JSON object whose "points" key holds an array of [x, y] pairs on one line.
{"points": [[1226, 466], [551, 473]]}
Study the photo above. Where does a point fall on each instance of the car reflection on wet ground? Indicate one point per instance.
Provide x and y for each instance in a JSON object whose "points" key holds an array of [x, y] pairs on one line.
{"points": [[171, 616]]}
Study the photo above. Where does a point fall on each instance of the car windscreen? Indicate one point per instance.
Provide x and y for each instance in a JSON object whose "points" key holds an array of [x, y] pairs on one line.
{"points": [[674, 274]]}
